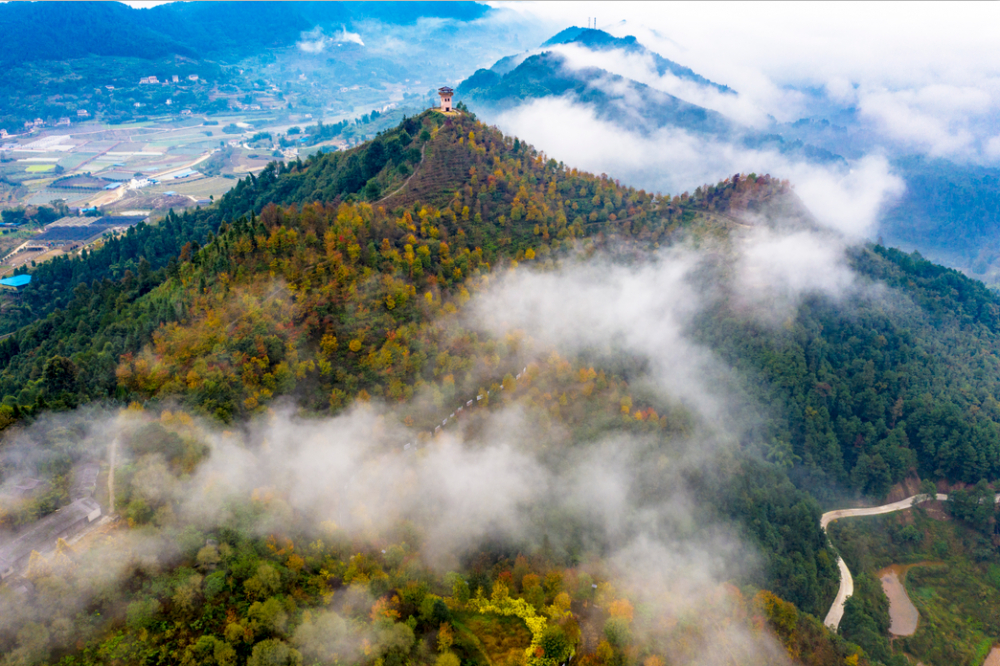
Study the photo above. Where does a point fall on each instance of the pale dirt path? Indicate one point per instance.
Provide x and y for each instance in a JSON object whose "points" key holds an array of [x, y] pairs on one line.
{"points": [[406, 182], [846, 580]]}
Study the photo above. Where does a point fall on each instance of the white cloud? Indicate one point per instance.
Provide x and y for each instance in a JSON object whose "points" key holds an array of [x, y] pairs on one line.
{"points": [[314, 41], [939, 119], [642, 68], [672, 161]]}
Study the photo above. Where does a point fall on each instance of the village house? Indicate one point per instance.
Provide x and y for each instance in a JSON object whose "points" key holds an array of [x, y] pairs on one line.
{"points": [[147, 80], [175, 79], [82, 113], [192, 77], [62, 122]]}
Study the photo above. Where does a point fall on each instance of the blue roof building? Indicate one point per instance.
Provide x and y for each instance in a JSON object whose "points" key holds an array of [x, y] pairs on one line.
{"points": [[16, 281]]}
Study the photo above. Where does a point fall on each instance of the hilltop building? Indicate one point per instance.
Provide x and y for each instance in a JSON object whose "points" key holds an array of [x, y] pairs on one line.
{"points": [[192, 77], [446, 94], [82, 113], [3, 134], [175, 79], [148, 80]]}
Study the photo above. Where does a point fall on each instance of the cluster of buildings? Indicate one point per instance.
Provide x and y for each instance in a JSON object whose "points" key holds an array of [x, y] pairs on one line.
{"points": [[66, 522], [82, 114], [153, 80]]}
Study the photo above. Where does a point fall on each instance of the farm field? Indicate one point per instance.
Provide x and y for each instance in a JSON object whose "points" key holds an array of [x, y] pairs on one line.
{"points": [[31, 165]]}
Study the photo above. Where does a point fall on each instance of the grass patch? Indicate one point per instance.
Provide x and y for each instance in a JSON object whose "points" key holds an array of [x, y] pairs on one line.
{"points": [[40, 168], [958, 623]]}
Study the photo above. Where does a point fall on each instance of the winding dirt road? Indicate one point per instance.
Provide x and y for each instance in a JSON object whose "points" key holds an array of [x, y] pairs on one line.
{"points": [[846, 580]]}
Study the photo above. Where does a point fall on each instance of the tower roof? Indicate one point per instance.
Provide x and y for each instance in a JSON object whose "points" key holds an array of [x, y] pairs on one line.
{"points": [[446, 91]]}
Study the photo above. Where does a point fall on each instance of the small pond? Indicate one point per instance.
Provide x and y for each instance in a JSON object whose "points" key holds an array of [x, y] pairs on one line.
{"points": [[903, 616]]}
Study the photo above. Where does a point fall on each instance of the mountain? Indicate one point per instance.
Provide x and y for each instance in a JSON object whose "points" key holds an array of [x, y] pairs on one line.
{"points": [[598, 40], [631, 104], [345, 283]]}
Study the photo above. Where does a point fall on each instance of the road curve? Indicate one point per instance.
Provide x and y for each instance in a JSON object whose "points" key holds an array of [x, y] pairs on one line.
{"points": [[846, 580]]}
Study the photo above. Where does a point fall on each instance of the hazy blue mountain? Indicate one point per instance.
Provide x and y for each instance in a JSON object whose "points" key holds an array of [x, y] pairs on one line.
{"points": [[950, 212], [38, 31]]}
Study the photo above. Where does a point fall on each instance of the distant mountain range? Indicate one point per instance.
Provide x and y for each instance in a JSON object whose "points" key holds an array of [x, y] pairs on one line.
{"points": [[41, 31]]}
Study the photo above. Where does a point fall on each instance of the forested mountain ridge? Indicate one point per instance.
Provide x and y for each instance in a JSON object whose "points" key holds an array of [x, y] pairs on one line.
{"points": [[328, 281], [501, 221]]}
